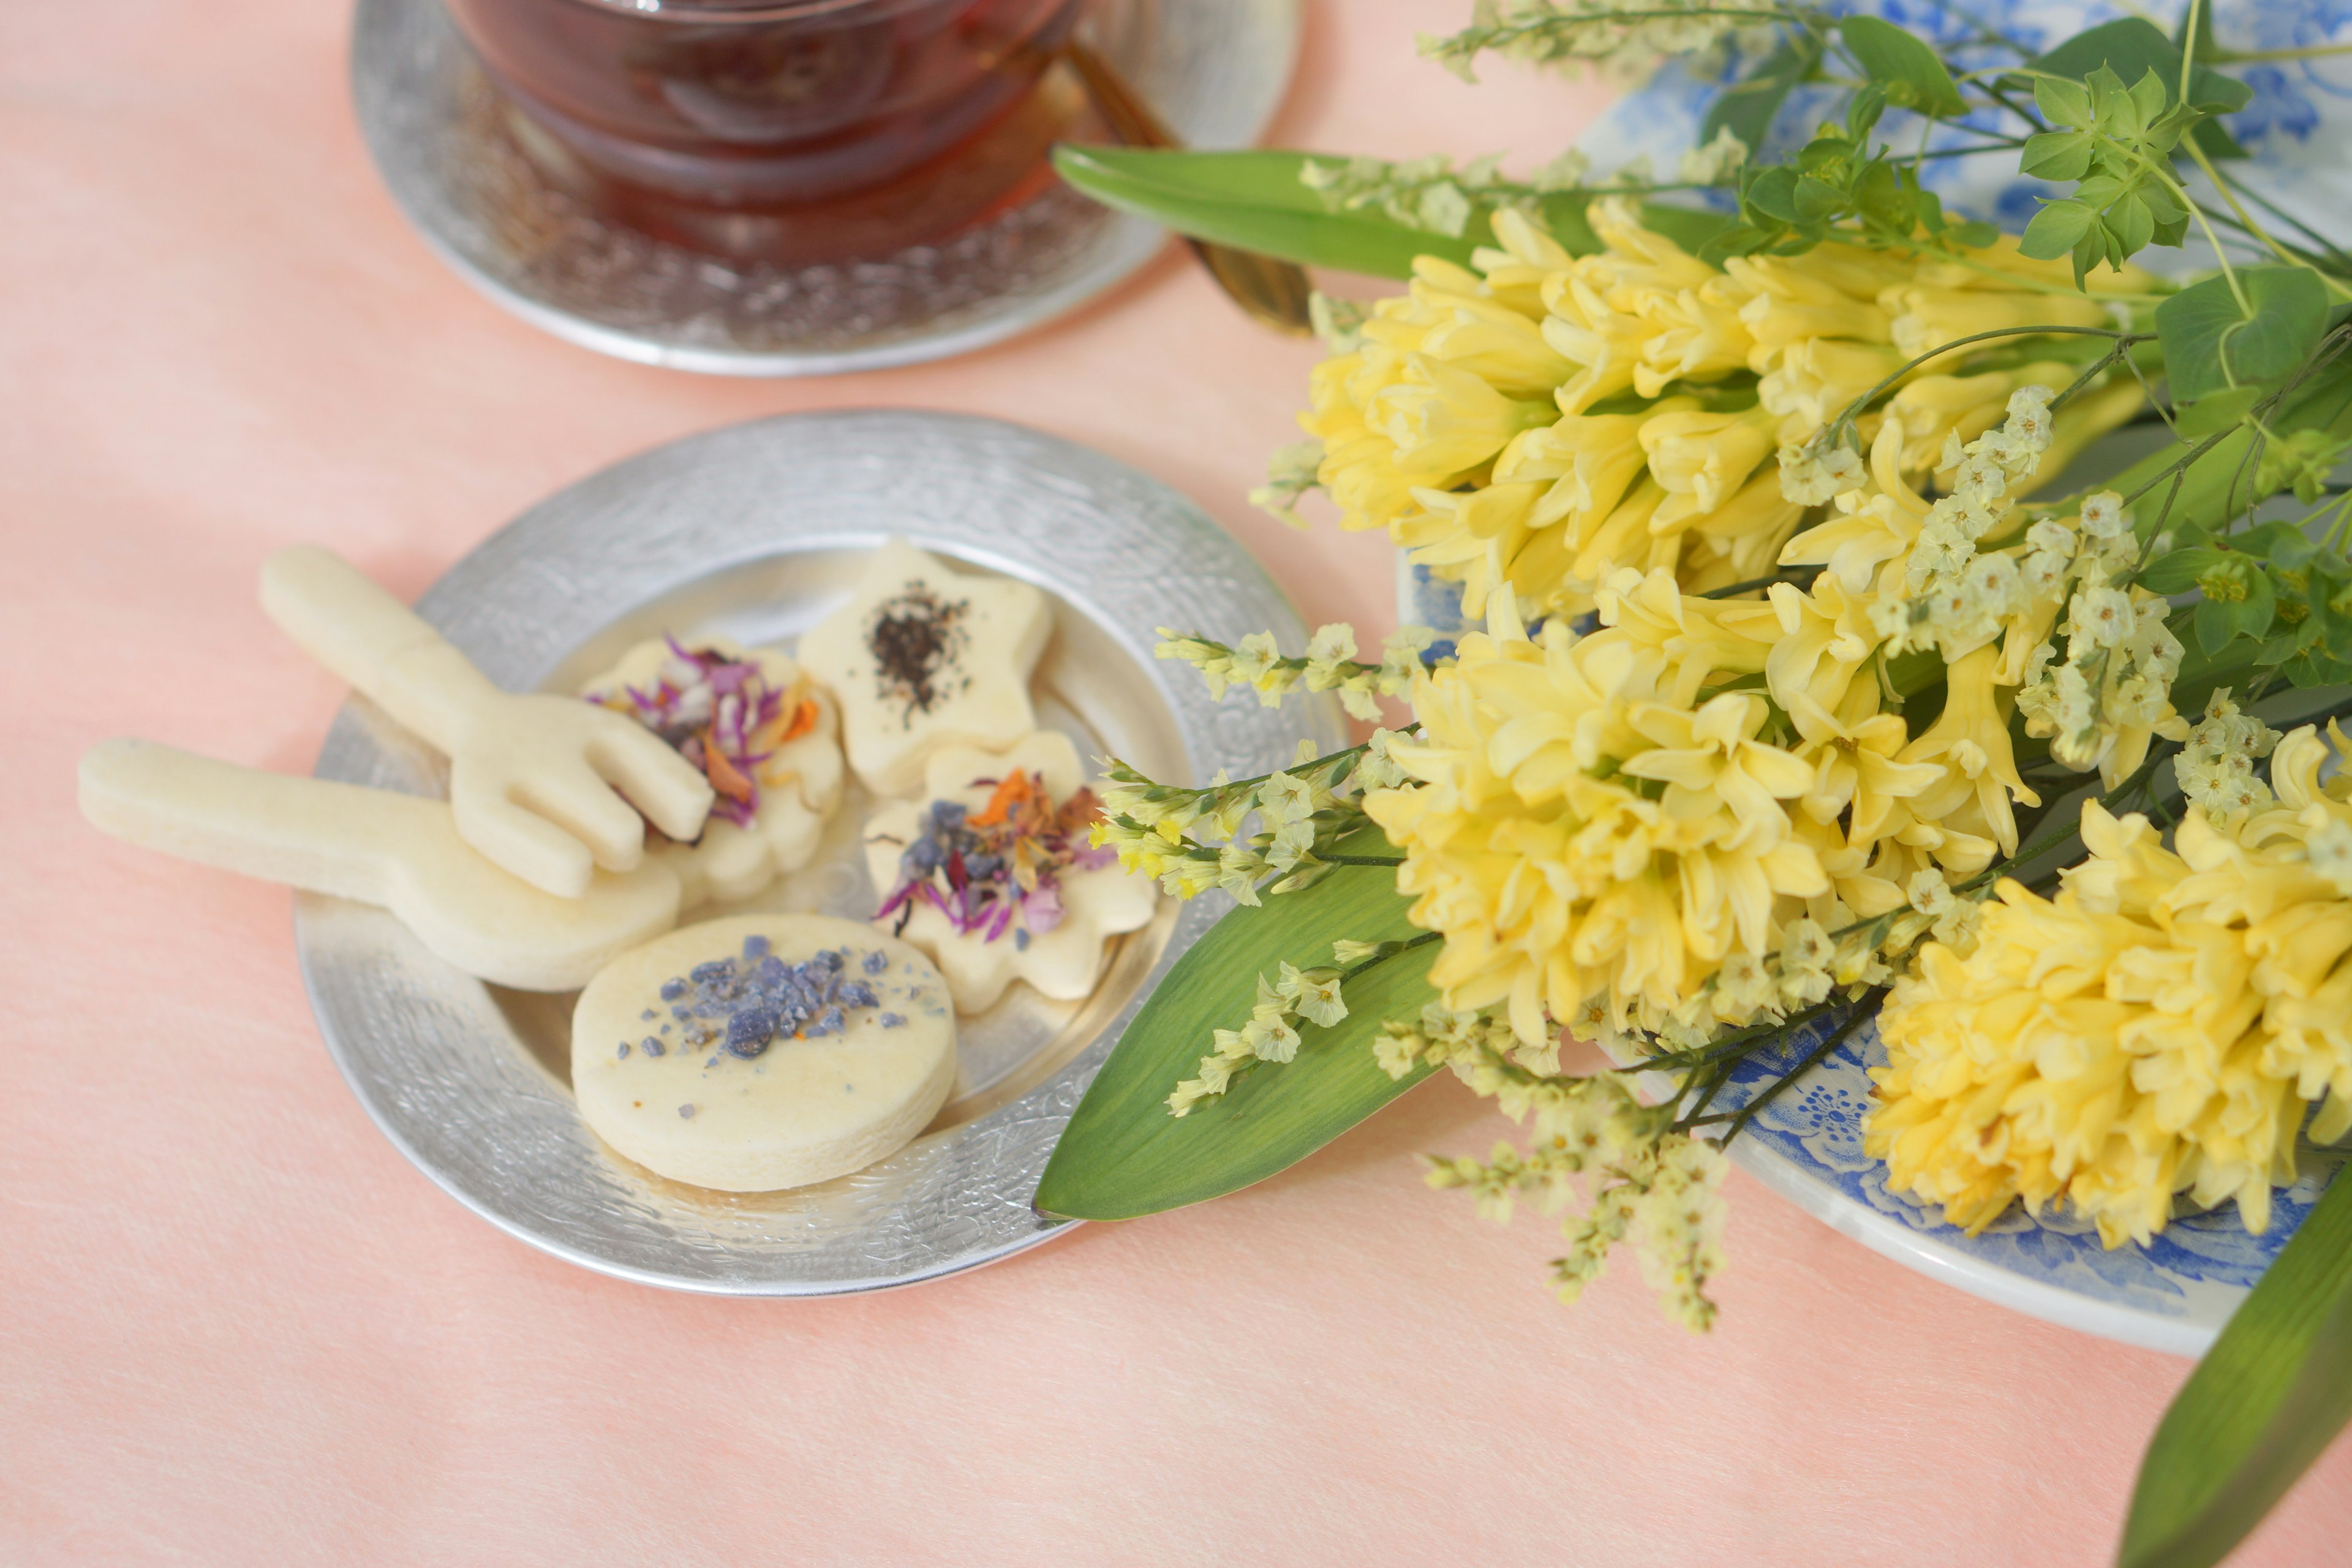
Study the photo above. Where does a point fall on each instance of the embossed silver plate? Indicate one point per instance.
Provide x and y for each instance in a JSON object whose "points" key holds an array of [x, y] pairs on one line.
{"points": [[755, 530], [1216, 70]]}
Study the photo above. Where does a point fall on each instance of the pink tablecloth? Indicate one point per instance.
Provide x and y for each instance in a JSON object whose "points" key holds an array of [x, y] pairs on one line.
{"points": [[236, 1327]]}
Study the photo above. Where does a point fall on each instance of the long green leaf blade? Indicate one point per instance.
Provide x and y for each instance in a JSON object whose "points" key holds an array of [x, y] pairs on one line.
{"points": [[1123, 1155], [2268, 1397], [1254, 201]]}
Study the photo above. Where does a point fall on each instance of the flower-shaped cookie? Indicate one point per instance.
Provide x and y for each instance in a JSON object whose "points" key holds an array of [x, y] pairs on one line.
{"points": [[990, 872], [763, 733], [923, 656]]}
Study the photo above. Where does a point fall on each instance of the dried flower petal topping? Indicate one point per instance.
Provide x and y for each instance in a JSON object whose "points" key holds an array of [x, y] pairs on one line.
{"points": [[1001, 866], [722, 715]]}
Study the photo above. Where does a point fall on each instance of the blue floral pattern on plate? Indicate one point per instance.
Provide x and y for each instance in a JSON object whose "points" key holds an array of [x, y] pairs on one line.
{"points": [[1806, 1143]]}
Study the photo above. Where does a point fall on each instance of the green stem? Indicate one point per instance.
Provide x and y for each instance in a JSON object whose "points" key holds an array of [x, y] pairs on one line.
{"points": [[1423, 940], [1863, 1010], [2262, 56], [1853, 409], [2334, 285]]}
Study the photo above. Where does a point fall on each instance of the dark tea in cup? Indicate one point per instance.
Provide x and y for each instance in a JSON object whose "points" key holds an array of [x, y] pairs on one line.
{"points": [[815, 131]]}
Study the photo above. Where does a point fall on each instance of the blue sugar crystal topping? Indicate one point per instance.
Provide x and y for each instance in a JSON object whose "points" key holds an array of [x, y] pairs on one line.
{"points": [[686, 1112], [749, 1032], [624, 1050], [656, 1048], [892, 1021], [746, 1004]]}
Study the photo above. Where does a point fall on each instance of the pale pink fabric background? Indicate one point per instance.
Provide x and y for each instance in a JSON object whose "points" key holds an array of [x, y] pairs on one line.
{"points": [[236, 1327]]}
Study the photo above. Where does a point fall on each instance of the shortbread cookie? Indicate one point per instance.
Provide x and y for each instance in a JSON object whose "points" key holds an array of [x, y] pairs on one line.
{"points": [[763, 1051], [401, 852], [761, 731], [923, 656], [531, 776], [990, 874]]}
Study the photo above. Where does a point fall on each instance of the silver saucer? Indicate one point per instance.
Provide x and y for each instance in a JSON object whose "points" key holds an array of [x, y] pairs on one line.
{"points": [[1215, 68], [755, 532]]}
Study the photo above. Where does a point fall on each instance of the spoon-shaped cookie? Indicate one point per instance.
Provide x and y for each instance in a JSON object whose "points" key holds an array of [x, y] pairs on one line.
{"points": [[531, 777], [399, 852]]}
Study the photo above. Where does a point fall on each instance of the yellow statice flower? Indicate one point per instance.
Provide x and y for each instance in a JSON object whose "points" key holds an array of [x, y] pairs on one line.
{"points": [[2157, 1028]]}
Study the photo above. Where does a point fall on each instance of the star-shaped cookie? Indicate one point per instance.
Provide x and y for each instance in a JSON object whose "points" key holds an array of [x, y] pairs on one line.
{"points": [[990, 873], [924, 657]]}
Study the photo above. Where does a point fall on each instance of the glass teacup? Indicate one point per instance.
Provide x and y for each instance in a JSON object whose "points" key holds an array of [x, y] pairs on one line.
{"points": [[806, 131]]}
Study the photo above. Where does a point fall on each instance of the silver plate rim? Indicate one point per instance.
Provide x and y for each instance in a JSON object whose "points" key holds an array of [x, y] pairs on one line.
{"points": [[1123, 245], [1168, 558]]}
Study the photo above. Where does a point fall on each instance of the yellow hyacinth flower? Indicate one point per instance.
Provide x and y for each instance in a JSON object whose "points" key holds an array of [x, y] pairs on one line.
{"points": [[1579, 827], [1620, 383], [2157, 1028]]}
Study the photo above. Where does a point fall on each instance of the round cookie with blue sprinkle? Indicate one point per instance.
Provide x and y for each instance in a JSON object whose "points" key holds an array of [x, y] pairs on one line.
{"points": [[763, 1051]]}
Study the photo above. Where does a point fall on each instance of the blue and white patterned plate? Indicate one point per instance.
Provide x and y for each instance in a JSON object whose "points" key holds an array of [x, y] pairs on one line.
{"points": [[1806, 1145]]}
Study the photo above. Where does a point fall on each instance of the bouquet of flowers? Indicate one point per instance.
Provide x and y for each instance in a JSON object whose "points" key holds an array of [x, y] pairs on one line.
{"points": [[1827, 677]]}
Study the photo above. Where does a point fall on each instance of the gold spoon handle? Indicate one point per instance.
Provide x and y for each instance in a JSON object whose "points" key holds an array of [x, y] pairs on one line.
{"points": [[1272, 291]]}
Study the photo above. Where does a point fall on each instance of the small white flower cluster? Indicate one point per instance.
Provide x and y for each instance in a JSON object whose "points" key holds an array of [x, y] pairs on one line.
{"points": [[1268, 1036], [1715, 162], [1748, 986], [1329, 665], [2114, 689], [1290, 473], [1955, 598], [1657, 1186], [2216, 766], [1628, 42], [2330, 851], [1427, 193], [1819, 471], [1935, 908], [1339, 322], [1197, 839]]}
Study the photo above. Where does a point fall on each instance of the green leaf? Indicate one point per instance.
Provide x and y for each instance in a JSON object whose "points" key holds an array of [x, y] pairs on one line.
{"points": [[1773, 192], [2220, 622], [2215, 411], [2278, 542], [2056, 155], [1254, 201], [2178, 571], [1903, 65], [2264, 1403], [2131, 47], [1123, 1155], [1747, 108], [2062, 102], [2211, 343], [2057, 229]]}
